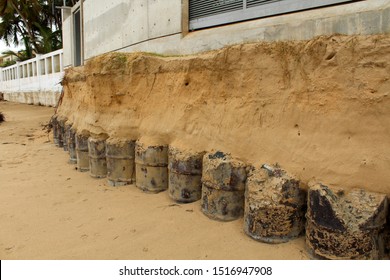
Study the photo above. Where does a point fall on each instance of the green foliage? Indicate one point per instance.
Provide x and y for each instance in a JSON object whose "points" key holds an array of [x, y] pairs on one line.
{"points": [[7, 63], [35, 23]]}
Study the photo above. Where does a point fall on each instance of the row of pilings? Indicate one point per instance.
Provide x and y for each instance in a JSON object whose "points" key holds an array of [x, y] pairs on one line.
{"points": [[276, 206]]}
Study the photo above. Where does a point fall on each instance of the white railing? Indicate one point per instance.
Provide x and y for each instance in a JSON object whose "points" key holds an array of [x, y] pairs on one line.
{"points": [[34, 81]]}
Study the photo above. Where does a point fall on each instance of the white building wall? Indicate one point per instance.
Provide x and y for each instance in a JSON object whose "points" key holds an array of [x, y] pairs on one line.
{"points": [[116, 24], [157, 26]]}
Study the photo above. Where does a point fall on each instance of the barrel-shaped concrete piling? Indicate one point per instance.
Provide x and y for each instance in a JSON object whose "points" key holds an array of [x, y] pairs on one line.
{"points": [[71, 139], [62, 133], [223, 185], [120, 155], [54, 126], [344, 225], [82, 151], [97, 156], [151, 167], [185, 174], [275, 205]]}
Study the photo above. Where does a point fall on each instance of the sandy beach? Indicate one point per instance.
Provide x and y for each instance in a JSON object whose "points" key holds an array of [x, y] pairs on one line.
{"points": [[49, 210]]}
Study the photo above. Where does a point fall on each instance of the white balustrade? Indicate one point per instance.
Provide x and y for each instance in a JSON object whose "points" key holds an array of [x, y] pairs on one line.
{"points": [[39, 77]]}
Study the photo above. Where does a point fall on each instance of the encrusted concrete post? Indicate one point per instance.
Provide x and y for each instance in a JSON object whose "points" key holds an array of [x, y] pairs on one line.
{"points": [[97, 156], [151, 169], [61, 131], [82, 150], [54, 125], [120, 161], [62, 139], [223, 185], [275, 205], [71, 137], [345, 225], [185, 174]]}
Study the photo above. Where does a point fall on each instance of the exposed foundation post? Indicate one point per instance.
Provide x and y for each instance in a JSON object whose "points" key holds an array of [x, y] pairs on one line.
{"points": [[60, 131], [223, 185], [62, 139], [97, 156], [151, 169], [345, 225], [185, 174], [54, 125], [120, 161], [82, 151], [71, 137], [275, 205]]}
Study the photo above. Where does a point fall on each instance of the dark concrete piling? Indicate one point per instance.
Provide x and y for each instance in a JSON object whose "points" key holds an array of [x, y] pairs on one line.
{"points": [[71, 138], [151, 163], [185, 174], [62, 132], [97, 156], [54, 125], [120, 155], [82, 150], [223, 185], [344, 225], [275, 205]]}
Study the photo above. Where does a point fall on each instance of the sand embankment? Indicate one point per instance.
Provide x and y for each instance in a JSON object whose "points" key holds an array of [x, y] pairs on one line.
{"points": [[319, 108]]}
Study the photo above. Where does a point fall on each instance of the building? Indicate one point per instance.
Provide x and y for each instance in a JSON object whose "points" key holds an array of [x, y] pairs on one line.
{"points": [[95, 27], [177, 27]]}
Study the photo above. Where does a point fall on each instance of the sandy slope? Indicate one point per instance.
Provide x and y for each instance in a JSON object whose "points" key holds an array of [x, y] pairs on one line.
{"points": [[319, 108], [48, 210]]}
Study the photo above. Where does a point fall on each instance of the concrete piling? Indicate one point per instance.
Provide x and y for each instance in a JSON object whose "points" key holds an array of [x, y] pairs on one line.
{"points": [[223, 185], [71, 138], [275, 205], [54, 125], [120, 155], [151, 163], [82, 151], [185, 174], [344, 225], [97, 156], [61, 131]]}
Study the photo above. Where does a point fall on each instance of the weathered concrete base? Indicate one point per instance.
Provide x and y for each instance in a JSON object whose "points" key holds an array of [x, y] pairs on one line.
{"points": [[97, 157], [61, 132], [82, 151], [120, 162], [71, 136], [222, 205], [345, 225], [54, 126], [185, 174], [223, 184], [44, 98], [151, 163], [152, 179], [275, 205], [184, 188]]}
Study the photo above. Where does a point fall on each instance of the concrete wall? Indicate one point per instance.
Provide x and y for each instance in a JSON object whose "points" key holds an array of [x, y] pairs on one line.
{"points": [[157, 26]]}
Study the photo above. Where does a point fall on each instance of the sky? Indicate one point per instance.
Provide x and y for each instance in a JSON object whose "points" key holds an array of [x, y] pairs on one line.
{"points": [[3, 47]]}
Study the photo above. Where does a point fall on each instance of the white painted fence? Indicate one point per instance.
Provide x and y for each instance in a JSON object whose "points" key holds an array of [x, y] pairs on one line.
{"points": [[34, 81]]}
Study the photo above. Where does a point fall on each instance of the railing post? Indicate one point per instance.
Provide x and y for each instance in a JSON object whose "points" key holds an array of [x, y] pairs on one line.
{"points": [[18, 74], [39, 70]]}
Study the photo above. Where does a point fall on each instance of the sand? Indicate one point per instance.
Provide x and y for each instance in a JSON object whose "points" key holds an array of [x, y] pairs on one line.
{"points": [[48, 210], [318, 108]]}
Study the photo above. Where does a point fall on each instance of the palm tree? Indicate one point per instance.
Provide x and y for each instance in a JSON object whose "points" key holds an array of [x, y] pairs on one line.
{"points": [[36, 23], [26, 10]]}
